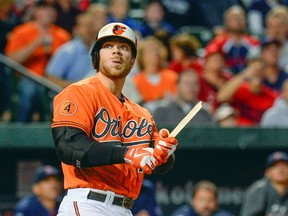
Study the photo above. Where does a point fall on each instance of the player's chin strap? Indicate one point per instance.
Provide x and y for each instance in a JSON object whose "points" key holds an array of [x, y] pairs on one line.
{"points": [[75, 148]]}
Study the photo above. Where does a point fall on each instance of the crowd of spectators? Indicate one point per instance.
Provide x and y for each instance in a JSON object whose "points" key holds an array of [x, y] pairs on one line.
{"points": [[238, 73]]}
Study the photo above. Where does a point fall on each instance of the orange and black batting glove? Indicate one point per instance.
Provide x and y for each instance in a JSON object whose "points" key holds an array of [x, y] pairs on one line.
{"points": [[141, 158], [164, 146]]}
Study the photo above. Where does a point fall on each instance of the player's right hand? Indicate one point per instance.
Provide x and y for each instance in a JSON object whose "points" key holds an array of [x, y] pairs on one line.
{"points": [[141, 158], [164, 146]]}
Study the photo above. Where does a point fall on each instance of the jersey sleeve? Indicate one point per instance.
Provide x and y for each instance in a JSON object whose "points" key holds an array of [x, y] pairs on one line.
{"points": [[74, 107]]}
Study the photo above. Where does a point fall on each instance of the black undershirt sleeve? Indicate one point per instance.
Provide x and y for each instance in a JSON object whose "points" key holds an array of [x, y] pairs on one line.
{"points": [[105, 154], [75, 148]]}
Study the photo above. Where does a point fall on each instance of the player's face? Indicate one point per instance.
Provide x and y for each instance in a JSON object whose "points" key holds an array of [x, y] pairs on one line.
{"points": [[116, 59], [204, 202]]}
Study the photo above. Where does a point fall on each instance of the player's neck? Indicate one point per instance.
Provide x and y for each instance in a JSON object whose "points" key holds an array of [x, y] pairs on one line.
{"points": [[113, 85]]}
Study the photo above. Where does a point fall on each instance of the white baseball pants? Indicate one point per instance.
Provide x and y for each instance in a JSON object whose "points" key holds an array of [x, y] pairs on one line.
{"points": [[75, 203]]}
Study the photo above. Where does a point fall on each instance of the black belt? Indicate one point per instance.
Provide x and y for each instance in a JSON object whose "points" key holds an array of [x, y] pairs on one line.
{"points": [[125, 202]]}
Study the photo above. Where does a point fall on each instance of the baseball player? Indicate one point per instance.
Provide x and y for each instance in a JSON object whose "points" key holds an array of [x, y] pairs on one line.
{"points": [[107, 143]]}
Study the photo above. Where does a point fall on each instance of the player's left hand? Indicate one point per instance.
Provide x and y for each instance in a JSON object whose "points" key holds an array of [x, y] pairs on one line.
{"points": [[141, 158], [164, 146]]}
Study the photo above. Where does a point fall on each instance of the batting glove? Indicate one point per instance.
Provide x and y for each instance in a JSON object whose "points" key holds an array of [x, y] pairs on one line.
{"points": [[141, 158], [164, 146]]}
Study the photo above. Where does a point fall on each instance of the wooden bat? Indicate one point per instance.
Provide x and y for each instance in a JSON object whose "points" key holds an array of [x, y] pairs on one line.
{"points": [[186, 119], [183, 123]]}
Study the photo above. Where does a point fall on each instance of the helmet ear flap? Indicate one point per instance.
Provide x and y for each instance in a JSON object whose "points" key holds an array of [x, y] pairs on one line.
{"points": [[95, 57]]}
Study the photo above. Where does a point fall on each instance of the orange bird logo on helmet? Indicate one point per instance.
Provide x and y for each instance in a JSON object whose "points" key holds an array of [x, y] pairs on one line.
{"points": [[118, 30]]}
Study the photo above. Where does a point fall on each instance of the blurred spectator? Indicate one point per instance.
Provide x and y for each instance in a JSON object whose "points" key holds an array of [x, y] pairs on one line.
{"points": [[154, 23], [256, 14], [212, 77], [146, 204], [84, 4], [135, 70], [225, 116], [184, 53], [24, 9], [32, 44], [8, 20], [46, 191], [203, 202], [248, 94], [72, 61], [130, 90], [118, 11], [277, 29], [5, 95], [184, 13], [277, 115], [99, 11], [187, 92], [270, 53], [66, 14], [214, 10], [154, 76], [269, 195], [234, 42]]}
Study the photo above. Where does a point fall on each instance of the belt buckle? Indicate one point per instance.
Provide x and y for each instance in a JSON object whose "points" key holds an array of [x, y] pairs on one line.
{"points": [[127, 202]]}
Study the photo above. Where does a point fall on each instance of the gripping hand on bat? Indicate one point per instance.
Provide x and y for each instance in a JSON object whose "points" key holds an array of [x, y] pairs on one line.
{"points": [[166, 143], [164, 146]]}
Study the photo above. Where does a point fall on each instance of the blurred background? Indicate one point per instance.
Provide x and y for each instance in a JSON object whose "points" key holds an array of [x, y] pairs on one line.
{"points": [[220, 52]]}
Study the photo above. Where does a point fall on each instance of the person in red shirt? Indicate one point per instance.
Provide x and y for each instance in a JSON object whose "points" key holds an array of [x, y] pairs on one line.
{"points": [[184, 53], [235, 44], [212, 77], [248, 94]]}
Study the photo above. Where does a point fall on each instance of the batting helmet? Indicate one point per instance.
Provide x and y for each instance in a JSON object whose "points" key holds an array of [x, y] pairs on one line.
{"points": [[113, 30]]}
